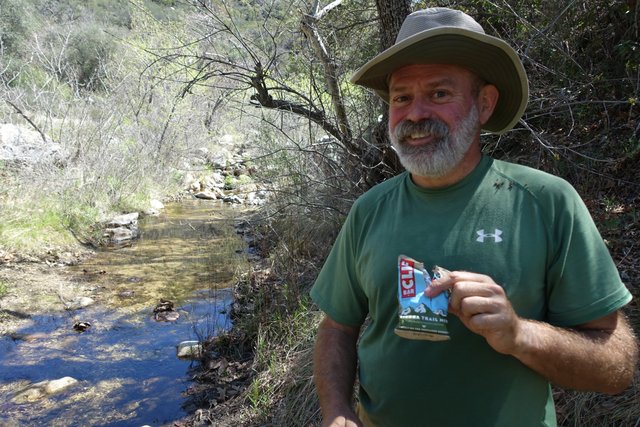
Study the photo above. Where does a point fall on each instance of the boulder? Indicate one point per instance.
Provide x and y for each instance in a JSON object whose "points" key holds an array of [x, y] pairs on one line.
{"points": [[122, 228], [21, 145]]}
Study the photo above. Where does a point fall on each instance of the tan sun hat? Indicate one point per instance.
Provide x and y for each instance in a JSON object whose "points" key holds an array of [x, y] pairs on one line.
{"points": [[445, 36]]}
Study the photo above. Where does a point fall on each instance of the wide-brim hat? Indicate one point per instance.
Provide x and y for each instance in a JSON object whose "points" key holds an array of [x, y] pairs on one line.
{"points": [[446, 36]]}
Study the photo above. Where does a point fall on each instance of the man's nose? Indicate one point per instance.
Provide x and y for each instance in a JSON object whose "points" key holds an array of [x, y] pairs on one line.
{"points": [[420, 109]]}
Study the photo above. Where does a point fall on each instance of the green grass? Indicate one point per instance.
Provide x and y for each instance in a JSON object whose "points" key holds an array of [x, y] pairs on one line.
{"points": [[31, 230], [4, 287], [41, 225]]}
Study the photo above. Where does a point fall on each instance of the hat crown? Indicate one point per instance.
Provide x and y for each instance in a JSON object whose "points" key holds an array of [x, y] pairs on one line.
{"points": [[436, 17]]}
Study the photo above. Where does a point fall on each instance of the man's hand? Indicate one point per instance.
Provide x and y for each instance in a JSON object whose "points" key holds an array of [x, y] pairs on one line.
{"points": [[482, 306], [569, 357], [350, 420]]}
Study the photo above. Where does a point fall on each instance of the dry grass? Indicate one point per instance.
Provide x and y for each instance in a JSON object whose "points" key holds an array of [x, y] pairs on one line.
{"points": [[576, 409]]}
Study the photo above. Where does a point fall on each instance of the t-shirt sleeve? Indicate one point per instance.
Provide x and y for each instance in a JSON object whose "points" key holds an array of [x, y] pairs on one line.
{"points": [[337, 290], [583, 281]]}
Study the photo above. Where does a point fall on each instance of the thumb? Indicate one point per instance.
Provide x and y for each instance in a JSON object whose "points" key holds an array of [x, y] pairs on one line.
{"points": [[442, 281]]}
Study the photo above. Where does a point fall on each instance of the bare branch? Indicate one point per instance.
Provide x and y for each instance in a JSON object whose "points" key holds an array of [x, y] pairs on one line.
{"points": [[309, 28], [24, 116]]}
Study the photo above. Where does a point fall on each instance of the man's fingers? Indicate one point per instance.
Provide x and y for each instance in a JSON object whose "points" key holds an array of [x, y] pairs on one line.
{"points": [[436, 288]]}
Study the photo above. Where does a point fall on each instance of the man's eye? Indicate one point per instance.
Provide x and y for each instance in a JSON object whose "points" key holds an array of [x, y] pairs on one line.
{"points": [[399, 99], [440, 94]]}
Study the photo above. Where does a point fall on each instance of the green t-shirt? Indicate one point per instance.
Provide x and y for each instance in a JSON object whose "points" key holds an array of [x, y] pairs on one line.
{"points": [[526, 229]]}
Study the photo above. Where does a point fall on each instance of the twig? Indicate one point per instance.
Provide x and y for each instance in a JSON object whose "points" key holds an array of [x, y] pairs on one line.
{"points": [[19, 111]]}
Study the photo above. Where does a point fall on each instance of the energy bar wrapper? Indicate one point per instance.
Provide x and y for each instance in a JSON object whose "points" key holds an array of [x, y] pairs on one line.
{"points": [[420, 317]]}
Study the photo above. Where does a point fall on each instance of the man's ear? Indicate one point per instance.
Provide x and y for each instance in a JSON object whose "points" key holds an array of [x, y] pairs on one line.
{"points": [[487, 99]]}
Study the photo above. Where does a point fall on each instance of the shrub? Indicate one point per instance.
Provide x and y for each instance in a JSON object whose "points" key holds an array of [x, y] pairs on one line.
{"points": [[87, 57], [14, 26]]}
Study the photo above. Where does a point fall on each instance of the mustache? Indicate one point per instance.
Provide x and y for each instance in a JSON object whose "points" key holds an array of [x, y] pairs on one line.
{"points": [[434, 127]]}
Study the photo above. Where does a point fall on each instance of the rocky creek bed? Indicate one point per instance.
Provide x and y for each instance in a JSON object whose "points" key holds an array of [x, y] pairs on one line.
{"points": [[82, 338]]}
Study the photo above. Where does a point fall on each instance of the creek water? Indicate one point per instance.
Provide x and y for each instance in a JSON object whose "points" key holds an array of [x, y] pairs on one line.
{"points": [[126, 364]]}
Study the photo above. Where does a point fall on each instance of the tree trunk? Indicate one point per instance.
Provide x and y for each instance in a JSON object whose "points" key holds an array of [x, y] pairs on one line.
{"points": [[383, 162], [392, 14]]}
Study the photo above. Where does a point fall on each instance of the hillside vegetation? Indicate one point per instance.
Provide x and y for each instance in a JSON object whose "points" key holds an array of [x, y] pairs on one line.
{"points": [[131, 88], [81, 74]]}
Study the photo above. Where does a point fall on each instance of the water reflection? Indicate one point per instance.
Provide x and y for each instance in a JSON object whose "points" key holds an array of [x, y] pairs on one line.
{"points": [[126, 362]]}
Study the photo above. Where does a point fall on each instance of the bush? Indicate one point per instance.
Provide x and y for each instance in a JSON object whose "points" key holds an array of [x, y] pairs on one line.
{"points": [[87, 57], [14, 26]]}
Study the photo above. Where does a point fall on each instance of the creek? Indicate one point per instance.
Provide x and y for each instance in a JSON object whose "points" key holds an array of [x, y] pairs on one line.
{"points": [[126, 364]]}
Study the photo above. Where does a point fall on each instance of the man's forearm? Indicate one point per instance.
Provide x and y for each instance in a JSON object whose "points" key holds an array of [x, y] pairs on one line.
{"points": [[335, 360], [587, 359]]}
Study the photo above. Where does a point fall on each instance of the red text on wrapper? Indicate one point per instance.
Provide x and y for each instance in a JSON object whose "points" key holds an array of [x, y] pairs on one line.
{"points": [[408, 284]]}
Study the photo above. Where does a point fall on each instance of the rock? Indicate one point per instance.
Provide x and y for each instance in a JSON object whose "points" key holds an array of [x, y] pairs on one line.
{"points": [[79, 302], [218, 180], [206, 195], [189, 350], [253, 199], [219, 161], [126, 294], [233, 199], [194, 187], [21, 145], [122, 228], [120, 235], [199, 157], [166, 316], [164, 312], [56, 386], [190, 183], [156, 204], [211, 182], [42, 389], [125, 220], [29, 395], [81, 326], [163, 305]]}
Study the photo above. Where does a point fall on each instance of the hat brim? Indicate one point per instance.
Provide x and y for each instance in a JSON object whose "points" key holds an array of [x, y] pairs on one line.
{"points": [[489, 57]]}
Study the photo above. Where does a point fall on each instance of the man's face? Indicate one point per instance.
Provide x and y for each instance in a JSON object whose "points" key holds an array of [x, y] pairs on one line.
{"points": [[433, 117]]}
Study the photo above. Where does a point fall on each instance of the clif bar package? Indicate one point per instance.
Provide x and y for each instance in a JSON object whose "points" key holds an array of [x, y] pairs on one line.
{"points": [[420, 317]]}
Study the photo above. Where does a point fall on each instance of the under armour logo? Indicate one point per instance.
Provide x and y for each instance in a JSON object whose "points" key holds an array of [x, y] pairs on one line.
{"points": [[482, 235]]}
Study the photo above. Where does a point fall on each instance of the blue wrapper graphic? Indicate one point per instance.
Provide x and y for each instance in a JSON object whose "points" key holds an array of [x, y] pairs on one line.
{"points": [[419, 316]]}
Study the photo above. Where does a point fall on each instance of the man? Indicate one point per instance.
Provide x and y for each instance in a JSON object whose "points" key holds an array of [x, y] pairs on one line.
{"points": [[534, 292]]}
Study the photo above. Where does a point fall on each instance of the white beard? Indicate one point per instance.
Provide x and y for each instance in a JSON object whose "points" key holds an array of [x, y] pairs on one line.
{"points": [[440, 157]]}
